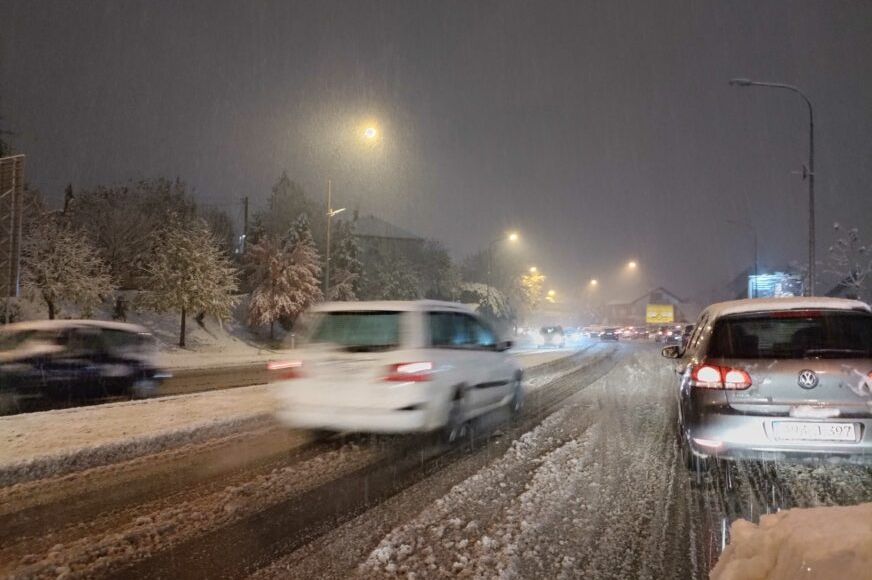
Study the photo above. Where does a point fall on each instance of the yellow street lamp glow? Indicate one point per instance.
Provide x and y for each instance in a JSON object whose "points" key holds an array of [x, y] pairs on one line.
{"points": [[514, 237], [594, 281], [533, 269], [551, 293], [632, 265], [370, 133]]}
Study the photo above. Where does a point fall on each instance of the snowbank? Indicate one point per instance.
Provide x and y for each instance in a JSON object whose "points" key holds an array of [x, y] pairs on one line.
{"points": [[812, 543], [36, 445]]}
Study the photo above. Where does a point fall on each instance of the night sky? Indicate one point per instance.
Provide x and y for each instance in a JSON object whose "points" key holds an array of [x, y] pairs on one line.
{"points": [[603, 131]]}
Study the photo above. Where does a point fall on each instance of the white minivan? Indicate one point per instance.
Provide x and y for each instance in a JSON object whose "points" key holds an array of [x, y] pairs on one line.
{"points": [[395, 367]]}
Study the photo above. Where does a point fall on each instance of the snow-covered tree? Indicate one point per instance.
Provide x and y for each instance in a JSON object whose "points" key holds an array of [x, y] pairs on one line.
{"points": [[287, 202], [345, 264], [851, 261], [491, 301], [187, 272], [304, 268], [59, 264], [390, 277], [284, 281]]}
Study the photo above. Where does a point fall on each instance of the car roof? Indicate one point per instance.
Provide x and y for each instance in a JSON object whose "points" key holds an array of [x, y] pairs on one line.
{"points": [[63, 324], [391, 306], [751, 305]]}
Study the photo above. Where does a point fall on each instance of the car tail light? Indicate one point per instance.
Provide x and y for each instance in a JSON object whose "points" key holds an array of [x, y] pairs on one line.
{"points": [[708, 376], [412, 372], [280, 370]]}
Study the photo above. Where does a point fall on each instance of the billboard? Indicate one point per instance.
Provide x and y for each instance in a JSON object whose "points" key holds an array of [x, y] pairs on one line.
{"points": [[775, 285], [659, 313]]}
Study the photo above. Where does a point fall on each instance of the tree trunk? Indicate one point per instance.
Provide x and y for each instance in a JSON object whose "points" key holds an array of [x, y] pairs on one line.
{"points": [[272, 324], [182, 332], [51, 309]]}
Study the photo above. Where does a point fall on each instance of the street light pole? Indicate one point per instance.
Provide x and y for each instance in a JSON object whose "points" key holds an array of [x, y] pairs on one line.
{"points": [[329, 219], [809, 173]]}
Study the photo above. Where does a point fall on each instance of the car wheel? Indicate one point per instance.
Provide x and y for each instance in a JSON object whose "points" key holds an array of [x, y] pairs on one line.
{"points": [[517, 402], [143, 389], [8, 403], [457, 428]]}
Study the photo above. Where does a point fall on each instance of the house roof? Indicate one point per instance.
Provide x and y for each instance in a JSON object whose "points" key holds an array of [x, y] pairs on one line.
{"points": [[369, 226]]}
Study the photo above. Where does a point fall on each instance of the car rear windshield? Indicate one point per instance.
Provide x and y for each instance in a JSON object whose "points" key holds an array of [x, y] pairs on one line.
{"points": [[358, 330], [793, 334]]}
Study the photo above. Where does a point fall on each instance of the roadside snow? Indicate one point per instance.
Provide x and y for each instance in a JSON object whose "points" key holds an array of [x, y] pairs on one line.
{"points": [[813, 543], [35, 445]]}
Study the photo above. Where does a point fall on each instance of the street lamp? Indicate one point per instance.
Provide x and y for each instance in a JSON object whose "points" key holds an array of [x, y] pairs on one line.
{"points": [[594, 282], [632, 265], [533, 269], [370, 134], [807, 171]]}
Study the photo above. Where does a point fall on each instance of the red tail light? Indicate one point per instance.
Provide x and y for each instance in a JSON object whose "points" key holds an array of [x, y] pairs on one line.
{"points": [[281, 370], [413, 372], [708, 376]]}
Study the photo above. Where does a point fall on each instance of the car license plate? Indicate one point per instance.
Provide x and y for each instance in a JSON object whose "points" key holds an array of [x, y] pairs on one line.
{"points": [[809, 431]]}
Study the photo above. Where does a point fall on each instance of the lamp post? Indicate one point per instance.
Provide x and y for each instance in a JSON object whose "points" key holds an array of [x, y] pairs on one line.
{"points": [[510, 237], [808, 171], [370, 134]]}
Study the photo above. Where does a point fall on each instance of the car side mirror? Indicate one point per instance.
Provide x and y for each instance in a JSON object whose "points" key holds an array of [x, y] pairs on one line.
{"points": [[673, 351], [504, 345]]}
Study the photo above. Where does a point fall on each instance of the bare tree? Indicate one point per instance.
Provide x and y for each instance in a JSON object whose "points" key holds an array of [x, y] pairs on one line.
{"points": [[851, 260]]}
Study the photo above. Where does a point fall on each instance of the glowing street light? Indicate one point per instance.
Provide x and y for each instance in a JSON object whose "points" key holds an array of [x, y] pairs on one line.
{"points": [[370, 133], [594, 282], [533, 269], [632, 265], [514, 237]]}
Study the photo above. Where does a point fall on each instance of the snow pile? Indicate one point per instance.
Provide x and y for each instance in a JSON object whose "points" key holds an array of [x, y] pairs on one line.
{"points": [[814, 543], [36, 445]]}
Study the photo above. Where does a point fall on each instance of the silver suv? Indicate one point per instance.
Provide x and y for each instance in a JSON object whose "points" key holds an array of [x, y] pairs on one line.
{"points": [[777, 378]]}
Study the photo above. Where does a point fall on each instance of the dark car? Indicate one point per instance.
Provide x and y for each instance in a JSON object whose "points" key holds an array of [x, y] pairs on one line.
{"points": [[552, 336], [610, 334], [70, 361]]}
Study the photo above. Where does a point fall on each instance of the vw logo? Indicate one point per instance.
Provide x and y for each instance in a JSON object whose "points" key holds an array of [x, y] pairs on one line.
{"points": [[808, 379]]}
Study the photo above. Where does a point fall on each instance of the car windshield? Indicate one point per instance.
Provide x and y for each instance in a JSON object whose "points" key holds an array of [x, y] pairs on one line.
{"points": [[802, 334], [358, 330]]}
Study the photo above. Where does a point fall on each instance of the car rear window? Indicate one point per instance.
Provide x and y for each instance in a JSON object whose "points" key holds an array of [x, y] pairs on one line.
{"points": [[358, 330], [793, 334]]}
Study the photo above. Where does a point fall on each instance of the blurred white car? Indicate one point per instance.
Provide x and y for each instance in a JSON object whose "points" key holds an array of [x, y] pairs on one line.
{"points": [[394, 367]]}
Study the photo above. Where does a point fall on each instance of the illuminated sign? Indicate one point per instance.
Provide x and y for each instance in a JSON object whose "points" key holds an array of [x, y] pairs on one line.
{"points": [[659, 313]]}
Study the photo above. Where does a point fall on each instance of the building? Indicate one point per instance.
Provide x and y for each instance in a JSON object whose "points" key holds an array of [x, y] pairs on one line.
{"points": [[634, 313], [376, 236]]}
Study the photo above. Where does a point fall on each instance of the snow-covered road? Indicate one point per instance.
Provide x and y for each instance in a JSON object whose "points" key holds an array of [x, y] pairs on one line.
{"points": [[587, 482]]}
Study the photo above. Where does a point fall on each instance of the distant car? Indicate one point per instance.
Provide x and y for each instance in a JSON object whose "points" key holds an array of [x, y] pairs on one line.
{"points": [[610, 334], [396, 367], [777, 378], [68, 361], [668, 334], [551, 336]]}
